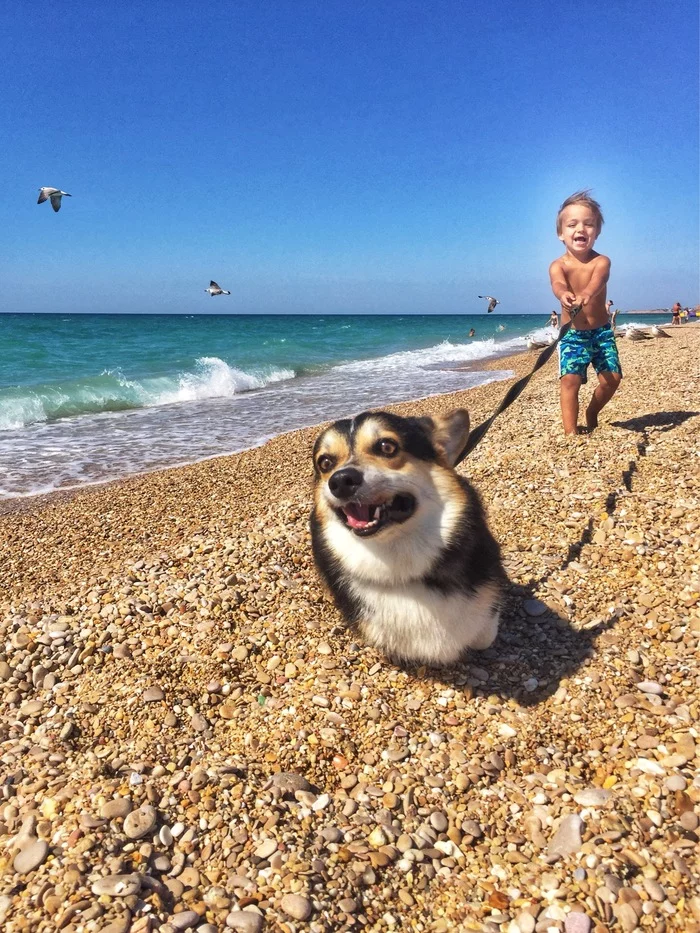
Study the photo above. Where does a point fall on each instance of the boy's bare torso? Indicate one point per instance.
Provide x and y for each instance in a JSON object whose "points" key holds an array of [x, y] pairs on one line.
{"points": [[578, 275]]}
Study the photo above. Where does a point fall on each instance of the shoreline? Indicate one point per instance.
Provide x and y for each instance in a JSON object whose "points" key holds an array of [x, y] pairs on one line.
{"points": [[169, 659], [24, 502]]}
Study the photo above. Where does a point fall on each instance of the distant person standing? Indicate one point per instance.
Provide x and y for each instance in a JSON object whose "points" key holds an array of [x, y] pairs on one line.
{"points": [[554, 319], [612, 315], [472, 332], [676, 314]]}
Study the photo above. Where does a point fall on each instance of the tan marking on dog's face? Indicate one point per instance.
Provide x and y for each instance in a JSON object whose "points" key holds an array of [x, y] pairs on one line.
{"points": [[375, 444], [331, 451]]}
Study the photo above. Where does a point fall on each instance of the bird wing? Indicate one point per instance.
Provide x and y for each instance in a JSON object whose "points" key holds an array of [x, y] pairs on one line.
{"points": [[56, 202], [44, 194], [213, 284]]}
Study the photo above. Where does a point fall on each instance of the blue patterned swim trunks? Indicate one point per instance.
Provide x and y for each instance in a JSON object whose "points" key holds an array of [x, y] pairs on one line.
{"points": [[578, 348]]}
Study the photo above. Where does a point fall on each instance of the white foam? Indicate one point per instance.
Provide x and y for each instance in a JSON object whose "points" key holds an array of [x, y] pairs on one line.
{"points": [[112, 390]]}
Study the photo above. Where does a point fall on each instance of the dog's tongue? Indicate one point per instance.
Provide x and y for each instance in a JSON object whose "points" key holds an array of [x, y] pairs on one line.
{"points": [[357, 515]]}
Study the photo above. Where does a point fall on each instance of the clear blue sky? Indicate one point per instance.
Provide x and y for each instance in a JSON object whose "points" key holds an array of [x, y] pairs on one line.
{"points": [[343, 156]]}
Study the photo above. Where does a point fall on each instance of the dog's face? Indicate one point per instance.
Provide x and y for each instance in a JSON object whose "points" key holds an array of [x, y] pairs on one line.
{"points": [[378, 472]]}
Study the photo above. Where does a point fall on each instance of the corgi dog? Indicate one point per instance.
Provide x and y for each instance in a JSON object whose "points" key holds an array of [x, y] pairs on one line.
{"points": [[400, 539]]}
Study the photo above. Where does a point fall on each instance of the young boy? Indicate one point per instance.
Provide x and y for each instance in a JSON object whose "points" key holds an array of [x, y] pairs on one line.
{"points": [[579, 279]]}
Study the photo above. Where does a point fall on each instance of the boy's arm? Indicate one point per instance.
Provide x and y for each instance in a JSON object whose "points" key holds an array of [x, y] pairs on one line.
{"points": [[560, 286], [598, 281]]}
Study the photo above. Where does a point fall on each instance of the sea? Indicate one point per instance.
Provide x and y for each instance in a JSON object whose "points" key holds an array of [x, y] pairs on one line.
{"points": [[87, 398]]}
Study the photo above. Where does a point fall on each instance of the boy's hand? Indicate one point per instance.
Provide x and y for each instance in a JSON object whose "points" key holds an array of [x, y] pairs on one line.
{"points": [[567, 300]]}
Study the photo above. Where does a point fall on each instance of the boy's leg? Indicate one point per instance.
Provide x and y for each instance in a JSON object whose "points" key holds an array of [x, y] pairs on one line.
{"points": [[607, 386], [606, 360], [568, 394]]}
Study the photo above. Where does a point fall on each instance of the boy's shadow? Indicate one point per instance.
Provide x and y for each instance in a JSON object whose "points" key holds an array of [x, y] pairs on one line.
{"points": [[662, 420]]}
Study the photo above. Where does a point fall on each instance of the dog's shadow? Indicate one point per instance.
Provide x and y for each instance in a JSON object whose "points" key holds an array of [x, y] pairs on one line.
{"points": [[533, 654], [530, 657]]}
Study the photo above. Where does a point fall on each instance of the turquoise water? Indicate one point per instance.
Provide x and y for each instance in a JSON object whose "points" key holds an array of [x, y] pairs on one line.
{"points": [[85, 398]]}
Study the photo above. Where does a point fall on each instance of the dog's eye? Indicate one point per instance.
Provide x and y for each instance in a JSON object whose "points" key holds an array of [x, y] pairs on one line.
{"points": [[387, 447], [325, 463]]}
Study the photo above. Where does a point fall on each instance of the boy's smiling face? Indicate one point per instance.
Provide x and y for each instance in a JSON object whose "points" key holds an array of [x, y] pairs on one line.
{"points": [[579, 229]]}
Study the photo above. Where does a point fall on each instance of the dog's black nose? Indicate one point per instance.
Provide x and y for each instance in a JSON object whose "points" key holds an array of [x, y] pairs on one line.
{"points": [[345, 483]]}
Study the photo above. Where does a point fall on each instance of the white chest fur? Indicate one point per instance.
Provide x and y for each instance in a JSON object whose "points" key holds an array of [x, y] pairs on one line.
{"points": [[401, 553], [421, 624]]}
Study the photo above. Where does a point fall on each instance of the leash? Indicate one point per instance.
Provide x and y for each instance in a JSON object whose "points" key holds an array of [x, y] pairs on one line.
{"points": [[480, 430]]}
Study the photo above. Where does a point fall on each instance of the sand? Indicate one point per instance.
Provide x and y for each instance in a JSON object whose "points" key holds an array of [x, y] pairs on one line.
{"points": [[190, 739]]}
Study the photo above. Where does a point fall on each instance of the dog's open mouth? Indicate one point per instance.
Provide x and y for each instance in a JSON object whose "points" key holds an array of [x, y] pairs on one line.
{"points": [[366, 519]]}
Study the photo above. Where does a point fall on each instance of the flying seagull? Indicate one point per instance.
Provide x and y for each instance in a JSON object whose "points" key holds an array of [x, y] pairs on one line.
{"points": [[54, 195], [214, 289], [492, 303]]}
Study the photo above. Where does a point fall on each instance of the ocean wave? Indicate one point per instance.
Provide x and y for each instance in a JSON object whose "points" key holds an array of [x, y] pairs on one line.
{"points": [[112, 391]]}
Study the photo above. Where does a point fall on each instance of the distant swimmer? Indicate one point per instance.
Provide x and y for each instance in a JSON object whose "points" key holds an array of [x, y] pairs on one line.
{"points": [[501, 327], [472, 333], [214, 289], [492, 303], [54, 195]]}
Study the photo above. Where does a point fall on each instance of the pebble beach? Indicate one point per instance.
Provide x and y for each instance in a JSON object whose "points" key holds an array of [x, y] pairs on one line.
{"points": [[190, 740]]}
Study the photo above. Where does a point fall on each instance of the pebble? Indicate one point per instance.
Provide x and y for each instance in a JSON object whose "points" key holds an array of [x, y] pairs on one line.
{"points": [[287, 782], [296, 906], [567, 838], [689, 820], [153, 694], [118, 885], [526, 922], [245, 921], [185, 919], [139, 823], [116, 808], [266, 848], [675, 782], [472, 828], [577, 922], [30, 856], [627, 917], [438, 821], [534, 607], [650, 686], [592, 796]]}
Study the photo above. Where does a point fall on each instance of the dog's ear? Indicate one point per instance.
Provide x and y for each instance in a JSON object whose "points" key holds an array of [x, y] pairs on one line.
{"points": [[450, 433]]}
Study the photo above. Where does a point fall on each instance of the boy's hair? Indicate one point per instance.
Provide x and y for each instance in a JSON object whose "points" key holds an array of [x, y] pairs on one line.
{"points": [[582, 197]]}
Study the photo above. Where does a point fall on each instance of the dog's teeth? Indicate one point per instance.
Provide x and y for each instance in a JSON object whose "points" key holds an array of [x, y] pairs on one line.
{"points": [[377, 512]]}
